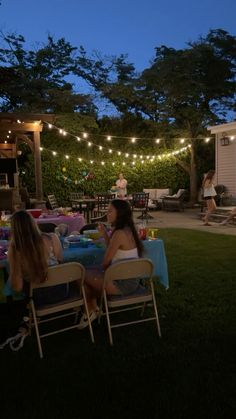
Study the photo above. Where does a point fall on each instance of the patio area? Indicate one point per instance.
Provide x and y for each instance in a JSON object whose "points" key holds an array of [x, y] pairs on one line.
{"points": [[188, 219]]}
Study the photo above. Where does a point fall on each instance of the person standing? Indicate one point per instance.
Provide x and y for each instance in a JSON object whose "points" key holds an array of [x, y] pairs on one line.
{"points": [[208, 195], [121, 185]]}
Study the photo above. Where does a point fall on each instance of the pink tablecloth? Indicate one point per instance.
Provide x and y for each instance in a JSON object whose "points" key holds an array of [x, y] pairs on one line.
{"points": [[74, 222]]}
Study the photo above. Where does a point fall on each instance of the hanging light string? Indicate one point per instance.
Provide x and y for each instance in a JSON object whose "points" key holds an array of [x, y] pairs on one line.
{"points": [[84, 136], [142, 159]]}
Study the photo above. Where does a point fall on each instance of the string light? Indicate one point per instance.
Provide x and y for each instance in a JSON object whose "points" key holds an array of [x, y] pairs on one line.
{"points": [[158, 141], [232, 138], [207, 140], [109, 138], [149, 160], [133, 140], [110, 150], [85, 135]]}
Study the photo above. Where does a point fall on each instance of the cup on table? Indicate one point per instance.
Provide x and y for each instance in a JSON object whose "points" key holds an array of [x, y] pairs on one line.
{"points": [[152, 233], [142, 233], [66, 244]]}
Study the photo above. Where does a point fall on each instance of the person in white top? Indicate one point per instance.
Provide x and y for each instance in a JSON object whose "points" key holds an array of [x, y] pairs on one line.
{"points": [[123, 243], [121, 185], [208, 194]]}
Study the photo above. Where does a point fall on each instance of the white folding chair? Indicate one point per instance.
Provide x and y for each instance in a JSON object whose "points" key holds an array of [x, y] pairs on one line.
{"points": [[141, 269], [58, 275]]}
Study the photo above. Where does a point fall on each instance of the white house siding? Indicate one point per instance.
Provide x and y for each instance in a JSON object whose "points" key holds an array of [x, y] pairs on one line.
{"points": [[225, 156], [226, 164]]}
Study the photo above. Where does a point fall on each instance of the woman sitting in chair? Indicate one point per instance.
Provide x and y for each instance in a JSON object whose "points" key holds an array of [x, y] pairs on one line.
{"points": [[123, 244], [30, 251]]}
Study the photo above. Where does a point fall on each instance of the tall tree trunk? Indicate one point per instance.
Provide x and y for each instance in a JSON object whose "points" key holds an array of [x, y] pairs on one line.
{"points": [[193, 174]]}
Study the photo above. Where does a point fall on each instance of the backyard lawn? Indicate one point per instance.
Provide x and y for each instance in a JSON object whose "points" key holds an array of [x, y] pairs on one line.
{"points": [[189, 373]]}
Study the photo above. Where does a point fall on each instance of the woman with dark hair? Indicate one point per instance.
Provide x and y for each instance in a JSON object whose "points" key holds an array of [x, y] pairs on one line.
{"points": [[30, 251], [208, 194], [123, 243]]}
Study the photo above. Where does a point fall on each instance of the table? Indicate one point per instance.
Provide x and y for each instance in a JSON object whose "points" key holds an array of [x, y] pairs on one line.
{"points": [[92, 255], [74, 222]]}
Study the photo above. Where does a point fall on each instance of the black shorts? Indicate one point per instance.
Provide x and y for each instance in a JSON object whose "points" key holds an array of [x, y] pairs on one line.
{"points": [[208, 197]]}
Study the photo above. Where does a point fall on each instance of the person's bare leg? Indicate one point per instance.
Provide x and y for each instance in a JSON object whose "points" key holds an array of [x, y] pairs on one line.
{"points": [[211, 207], [93, 288], [230, 217]]}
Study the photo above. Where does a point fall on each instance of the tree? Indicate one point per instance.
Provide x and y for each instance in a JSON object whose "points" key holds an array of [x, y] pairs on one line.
{"points": [[36, 80], [186, 89], [196, 87]]}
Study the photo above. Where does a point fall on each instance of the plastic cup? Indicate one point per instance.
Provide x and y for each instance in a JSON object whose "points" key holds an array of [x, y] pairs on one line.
{"points": [[66, 244]]}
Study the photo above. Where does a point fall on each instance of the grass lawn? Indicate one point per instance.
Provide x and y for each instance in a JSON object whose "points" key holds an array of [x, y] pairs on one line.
{"points": [[189, 373]]}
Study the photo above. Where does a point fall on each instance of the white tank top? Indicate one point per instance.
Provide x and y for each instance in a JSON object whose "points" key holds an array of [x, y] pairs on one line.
{"points": [[209, 191], [125, 254]]}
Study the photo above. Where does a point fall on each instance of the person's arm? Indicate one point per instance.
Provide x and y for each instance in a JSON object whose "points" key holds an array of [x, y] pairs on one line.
{"points": [[207, 183], [114, 245], [57, 248], [15, 277]]}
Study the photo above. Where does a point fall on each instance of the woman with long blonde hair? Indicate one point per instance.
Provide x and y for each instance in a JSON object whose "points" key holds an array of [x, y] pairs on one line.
{"points": [[208, 194], [30, 251]]}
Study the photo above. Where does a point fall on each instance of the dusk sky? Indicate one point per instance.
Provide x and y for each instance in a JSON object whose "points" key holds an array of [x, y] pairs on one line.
{"points": [[134, 27]]}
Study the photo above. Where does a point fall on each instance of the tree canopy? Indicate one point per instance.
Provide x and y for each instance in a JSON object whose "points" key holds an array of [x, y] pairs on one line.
{"points": [[179, 94]]}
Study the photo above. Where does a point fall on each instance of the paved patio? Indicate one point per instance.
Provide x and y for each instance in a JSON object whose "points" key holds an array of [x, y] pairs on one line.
{"points": [[188, 219]]}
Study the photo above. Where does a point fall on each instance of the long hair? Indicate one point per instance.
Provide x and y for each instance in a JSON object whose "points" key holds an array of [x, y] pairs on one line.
{"points": [[209, 176], [28, 247], [124, 219]]}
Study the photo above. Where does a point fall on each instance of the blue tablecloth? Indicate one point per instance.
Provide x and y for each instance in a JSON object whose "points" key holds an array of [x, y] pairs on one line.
{"points": [[92, 255], [153, 249]]}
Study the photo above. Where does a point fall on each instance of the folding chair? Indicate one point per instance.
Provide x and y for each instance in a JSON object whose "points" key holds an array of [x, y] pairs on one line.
{"points": [[131, 269], [57, 275]]}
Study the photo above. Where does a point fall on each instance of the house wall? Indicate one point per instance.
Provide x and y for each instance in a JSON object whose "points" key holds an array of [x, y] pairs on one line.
{"points": [[226, 162]]}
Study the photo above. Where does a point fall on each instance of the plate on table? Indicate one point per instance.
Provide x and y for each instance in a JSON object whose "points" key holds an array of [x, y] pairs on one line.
{"points": [[78, 241]]}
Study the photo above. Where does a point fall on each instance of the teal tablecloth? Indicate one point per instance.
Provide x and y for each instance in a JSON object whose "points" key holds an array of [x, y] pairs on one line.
{"points": [[93, 255], [153, 249]]}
